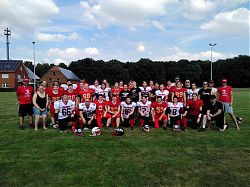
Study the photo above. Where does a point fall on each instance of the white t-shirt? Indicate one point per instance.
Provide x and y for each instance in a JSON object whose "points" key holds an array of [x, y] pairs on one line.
{"points": [[65, 110], [164, 94], [190, 93]]}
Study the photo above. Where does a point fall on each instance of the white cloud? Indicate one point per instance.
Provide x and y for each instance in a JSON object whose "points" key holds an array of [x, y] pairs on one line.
{"points": [[125, 13], [197, 9], [177, 53], [158, 25], [234, 23], [69, 54], [141, 48], [47, 37], [26, 14]]}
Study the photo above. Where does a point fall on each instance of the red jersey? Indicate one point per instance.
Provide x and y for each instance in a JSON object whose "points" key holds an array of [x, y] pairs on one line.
{"points": [[86, 94], [54, 97], [179, 93], [24, 94], [159, 108], [114, 106], [115, 91], [194, 106], [100, 106], [71, 95], [225, 94]]}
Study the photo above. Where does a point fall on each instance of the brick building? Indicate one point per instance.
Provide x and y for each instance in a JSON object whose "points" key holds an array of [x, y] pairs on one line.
{"points": [[59, 74], [12, 73]]}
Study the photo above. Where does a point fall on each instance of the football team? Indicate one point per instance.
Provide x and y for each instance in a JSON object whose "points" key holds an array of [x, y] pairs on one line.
{"points": [[83, 106]]}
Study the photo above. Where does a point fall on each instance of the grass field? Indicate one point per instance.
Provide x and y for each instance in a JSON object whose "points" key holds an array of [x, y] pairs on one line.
{"points": [[158, 158]]}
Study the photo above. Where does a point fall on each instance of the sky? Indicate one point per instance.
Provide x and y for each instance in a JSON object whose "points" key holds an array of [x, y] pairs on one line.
{"points": [[126, 30]]}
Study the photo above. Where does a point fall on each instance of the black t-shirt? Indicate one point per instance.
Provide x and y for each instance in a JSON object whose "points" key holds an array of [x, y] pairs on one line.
{"points": [[153, 98], [134, 93], [214, 108], [205, 96], [124, 94]]}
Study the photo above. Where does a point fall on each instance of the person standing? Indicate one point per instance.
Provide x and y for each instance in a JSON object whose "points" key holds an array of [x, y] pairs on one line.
{"points": [[24, 95], [41, 102], [225, 95]]}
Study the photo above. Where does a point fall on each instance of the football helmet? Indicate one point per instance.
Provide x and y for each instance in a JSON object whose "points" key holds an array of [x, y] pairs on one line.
{"points": [[145, 128], [239, 120], [176, 128], [96, 131], [78, 132], [118, 132]]}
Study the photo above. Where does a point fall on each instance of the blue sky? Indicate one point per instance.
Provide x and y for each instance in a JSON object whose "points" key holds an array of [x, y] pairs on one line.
{"points": [[126, 30]]}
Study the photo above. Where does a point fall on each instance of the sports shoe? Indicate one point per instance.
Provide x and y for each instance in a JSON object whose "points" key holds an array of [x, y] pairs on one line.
{"points": [[21, 127], [85, 128], [201, 129], [31, 125], [184, 129], [132, 128], [164, 128]]}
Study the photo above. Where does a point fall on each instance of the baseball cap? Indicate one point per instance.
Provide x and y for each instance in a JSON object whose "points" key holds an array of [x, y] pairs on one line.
{"points": [[224, 81], [25, 80]]}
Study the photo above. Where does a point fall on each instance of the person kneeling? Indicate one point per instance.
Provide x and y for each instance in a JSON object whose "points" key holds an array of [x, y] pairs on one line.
{"points": [[215, 113], [64, 112], [175, 114]]}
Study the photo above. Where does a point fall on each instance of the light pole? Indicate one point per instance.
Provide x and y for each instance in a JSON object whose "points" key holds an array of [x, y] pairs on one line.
{"points": [[211, 73], [7, 34], [34, 69]]}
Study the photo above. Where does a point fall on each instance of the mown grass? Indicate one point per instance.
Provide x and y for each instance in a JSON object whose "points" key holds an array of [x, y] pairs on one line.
{"points": [[157, 158]]}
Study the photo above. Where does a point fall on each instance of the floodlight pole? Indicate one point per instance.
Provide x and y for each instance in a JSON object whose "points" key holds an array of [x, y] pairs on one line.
{"points": [[211, 63], [7, 34], [34, 69]]}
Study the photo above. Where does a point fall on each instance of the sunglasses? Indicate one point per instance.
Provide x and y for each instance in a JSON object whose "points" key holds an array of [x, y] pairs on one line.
{"points": [[204, 84]]}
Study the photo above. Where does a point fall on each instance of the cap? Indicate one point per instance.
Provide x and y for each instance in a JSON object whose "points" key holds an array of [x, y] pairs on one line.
{"points": [[224, 81], [177, 78], [25, 80]]}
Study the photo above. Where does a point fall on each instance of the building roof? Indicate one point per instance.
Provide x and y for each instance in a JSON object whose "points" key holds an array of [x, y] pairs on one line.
{"points": [[31, 74], [9, 65], [68, 74]]}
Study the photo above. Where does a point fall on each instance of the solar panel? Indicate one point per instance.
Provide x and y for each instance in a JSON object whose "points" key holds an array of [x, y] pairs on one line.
{"points": [[68, 74], [10, 65]]}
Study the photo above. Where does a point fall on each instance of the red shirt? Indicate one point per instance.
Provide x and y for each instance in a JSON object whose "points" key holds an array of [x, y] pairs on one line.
{"points": [[54, 97], [86, 94], [114, 106], [100, 106], [115, 91], [225, 94], [194, 106], [159, 108], [179, 93], [25, 94], [71, 95]]}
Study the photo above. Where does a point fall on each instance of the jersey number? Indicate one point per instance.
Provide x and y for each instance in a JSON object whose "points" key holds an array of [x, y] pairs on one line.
{"points": [[66, 112]]}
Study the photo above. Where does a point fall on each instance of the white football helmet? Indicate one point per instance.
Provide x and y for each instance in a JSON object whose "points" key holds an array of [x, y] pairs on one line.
{"points": [[96, 131]]}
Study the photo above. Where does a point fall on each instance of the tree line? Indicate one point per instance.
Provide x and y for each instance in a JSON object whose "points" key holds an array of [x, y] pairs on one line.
{"points": [[236, 70]]}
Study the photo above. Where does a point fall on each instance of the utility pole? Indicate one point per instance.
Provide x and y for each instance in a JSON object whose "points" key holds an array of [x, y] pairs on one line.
{"points": [[7, 33], [211, 63], [34, 70]]}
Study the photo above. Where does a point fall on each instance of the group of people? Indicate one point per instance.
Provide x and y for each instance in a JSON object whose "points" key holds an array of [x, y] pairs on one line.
{"points": [[175, 105]]}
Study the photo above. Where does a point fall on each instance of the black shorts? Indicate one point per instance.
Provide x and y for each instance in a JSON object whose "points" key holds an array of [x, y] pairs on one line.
{"points": [[175, 120], [63, 122], [25, 109]]}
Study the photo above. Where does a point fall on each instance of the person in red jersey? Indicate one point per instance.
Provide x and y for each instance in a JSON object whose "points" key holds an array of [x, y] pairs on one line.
{"points": [[127, 113], [101, 110], [113, 107], [130, 85], [24, 95], [151, 84], [47, 88], [163, 93], [86, 93], [54, 96], [71, 93], [158, 110], [121, 85], [180, 93], [60, 89], [170, 89], [115, 90], [193, 112], [225, 95]]}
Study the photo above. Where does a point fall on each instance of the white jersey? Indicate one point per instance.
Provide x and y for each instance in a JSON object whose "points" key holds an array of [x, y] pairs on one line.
{"points": [[164, 94], [104, 92], [145, 91], [174, 110], [214, 91], [87, 111], [144, 107], [127, 108], [95, 88], [65, 110], [190, 93]]}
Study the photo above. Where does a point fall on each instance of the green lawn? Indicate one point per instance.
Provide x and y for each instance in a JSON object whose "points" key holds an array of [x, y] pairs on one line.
{"points": [[158, 158]]}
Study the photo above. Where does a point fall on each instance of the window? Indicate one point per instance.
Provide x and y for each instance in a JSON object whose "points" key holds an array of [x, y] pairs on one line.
{"points": [[19, 77], [5, 76], [21, 68], [5, 85]]}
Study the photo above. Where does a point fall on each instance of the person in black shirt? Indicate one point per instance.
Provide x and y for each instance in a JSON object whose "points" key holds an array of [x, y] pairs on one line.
{"points": [[215, 113], [135, 92], [124, 93], [152, 92], [204, 94]]}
